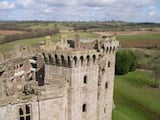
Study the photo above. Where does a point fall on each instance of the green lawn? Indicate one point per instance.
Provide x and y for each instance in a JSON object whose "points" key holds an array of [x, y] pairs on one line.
{"points": [[128, 112], [135, 99], [139, 37]]}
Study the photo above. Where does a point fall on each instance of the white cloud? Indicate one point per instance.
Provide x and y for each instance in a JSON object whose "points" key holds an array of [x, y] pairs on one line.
{"points": [[126, 10], [5, 5], [25, 3]]}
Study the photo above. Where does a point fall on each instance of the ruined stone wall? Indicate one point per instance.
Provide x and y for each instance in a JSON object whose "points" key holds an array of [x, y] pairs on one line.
{"points": [[47, 109]]}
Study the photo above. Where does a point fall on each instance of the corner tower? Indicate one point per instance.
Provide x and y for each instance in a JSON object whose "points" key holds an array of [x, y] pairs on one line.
{"points": [[106, 78]]}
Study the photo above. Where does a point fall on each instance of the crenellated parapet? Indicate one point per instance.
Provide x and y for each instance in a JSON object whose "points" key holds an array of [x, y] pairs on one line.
{"points": [[110, 47], [77, 58]]}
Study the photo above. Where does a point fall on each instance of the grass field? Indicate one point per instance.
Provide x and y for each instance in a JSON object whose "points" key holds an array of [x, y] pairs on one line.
{"points": [[135, 99], [35, 41], [8, 46], [140, 41], [1, 36], [49, 26], [139, 37]]}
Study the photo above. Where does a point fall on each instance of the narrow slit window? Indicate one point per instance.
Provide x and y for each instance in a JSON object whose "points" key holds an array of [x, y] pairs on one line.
{"points": [[84, 108], [85, 79], [106, 85], [104, 109], [109, 64]]}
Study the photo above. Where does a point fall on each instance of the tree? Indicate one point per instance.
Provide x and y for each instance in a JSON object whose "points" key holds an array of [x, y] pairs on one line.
{"points": [[125, 62]]}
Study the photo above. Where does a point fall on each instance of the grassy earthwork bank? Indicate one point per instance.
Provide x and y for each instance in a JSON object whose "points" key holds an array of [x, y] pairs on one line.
{"points": [[134, 98]]}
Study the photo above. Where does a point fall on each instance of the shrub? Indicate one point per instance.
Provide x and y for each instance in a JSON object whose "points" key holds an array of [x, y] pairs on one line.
{"points": [[125, 62]]}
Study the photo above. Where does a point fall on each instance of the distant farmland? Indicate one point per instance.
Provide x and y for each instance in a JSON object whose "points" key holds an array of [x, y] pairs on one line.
{"points": [[140, 41], [10, 32], [136, 39]]}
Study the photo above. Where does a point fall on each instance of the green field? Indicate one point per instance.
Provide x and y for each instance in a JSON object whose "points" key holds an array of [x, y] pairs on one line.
{"points": [[9, 46], [139, 37], [135, 99], [35, 41], [1, 36]]}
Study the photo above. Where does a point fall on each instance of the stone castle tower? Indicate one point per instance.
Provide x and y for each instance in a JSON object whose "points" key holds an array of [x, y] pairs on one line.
{"points": [[74, 82]]}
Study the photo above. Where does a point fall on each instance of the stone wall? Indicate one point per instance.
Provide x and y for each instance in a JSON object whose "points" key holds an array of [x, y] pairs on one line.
{"points": [[47, 109]]}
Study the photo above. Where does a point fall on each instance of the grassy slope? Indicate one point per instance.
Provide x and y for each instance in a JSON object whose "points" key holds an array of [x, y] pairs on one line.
{"points": [[134, 99]]}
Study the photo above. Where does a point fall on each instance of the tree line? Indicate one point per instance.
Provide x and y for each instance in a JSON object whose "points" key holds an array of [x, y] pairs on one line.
{"points": [[27, 35]]}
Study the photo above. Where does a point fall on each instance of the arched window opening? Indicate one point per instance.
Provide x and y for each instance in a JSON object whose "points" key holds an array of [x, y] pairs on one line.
{"points": [[88, 60], [107, 50], [84, 108], [50, 58], [109, 64], [81, 59], [94, 59], [110, 49], [69, 62], [106, 85], [85, 79], [75, 61], [62, 60], [103, 49], [27, 109], [56, 59], [114, 48], [20, 111]]}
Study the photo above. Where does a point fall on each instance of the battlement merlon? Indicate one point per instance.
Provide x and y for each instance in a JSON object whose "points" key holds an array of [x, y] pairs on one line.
{"points": [[113, 44]]}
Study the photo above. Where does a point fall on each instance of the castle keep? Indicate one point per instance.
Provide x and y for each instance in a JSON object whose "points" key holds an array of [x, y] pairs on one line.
{"points": [[67, 80]]}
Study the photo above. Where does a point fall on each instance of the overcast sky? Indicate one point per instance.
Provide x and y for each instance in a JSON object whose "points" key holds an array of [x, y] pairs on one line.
{"points": [[81, 10]]}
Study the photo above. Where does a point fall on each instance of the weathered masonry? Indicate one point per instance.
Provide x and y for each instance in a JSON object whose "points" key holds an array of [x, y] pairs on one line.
{"points": [[67, 80]]}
